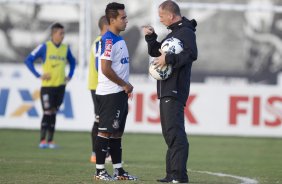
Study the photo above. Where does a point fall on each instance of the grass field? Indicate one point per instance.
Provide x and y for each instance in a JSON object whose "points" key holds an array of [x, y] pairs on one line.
{"points": [[22, 162]]}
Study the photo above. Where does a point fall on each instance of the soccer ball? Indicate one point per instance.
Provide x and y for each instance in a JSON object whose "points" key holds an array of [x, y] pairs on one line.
{"points": [[159, 73], [170, 45]]}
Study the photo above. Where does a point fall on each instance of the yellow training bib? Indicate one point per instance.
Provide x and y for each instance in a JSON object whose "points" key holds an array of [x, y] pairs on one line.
{"points": [[55, 64], [93, 59]]}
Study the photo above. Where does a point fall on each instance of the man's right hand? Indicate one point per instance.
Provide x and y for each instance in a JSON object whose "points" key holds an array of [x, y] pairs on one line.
{"points": [[45, 76], [148, 30], [128, 88]]}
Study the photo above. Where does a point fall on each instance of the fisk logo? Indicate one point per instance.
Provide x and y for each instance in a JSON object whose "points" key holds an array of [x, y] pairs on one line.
{"points": [[27, 104]]}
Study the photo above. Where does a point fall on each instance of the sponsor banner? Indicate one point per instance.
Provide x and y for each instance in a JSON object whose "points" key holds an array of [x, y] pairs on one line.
{"points": [[248, 51], [210, 110]]}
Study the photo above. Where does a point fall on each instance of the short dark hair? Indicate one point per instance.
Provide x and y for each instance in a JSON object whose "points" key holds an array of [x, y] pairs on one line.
{"points": [[171, 7], [112, 10], [56, 26], [102, 21]]}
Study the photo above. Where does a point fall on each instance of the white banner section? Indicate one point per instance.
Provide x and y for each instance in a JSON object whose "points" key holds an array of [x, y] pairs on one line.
{"points": [[210, 110]]}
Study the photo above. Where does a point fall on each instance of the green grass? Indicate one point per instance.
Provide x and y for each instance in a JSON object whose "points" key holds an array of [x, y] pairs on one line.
{"points": [[143, 154]]}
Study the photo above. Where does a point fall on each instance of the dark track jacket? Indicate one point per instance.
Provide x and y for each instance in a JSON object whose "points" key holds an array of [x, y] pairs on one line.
{"points": [[178, 84]]}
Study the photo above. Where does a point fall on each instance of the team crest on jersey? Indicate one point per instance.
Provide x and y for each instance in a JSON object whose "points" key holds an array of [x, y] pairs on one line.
{"points": [[116, 124], [108, 47]]}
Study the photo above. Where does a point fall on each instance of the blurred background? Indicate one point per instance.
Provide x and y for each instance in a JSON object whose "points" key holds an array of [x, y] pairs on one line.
{"points": [[236, 81]]}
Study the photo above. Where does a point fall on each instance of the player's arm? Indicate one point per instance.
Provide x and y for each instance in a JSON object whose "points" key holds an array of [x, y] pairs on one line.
{"points": [[151, 39], [189, 53], [38, 52], [106, 66], [72, 63]]}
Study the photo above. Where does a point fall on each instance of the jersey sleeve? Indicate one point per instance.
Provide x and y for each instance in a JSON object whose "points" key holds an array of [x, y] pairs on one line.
{"points": [[71, 61], [38, 52], [107, 49]]}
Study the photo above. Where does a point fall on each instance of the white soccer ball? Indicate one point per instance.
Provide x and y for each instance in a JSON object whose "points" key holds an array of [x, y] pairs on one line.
{"points": [[170, 45], [159, 73]]}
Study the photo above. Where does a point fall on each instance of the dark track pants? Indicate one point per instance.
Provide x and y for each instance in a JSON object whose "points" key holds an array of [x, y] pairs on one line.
{"points": [[172, 121]]}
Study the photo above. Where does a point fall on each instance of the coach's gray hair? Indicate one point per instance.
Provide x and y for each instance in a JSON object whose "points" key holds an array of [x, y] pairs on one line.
{"points": [[171, 7]]}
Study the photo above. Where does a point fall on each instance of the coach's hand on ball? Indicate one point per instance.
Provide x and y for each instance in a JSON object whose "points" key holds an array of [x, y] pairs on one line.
{"points": [[160, 61]]}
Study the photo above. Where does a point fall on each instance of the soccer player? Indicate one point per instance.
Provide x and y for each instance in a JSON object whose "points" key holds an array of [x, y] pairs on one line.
{"points": [[54, 55], [174, 91], [112, 95], [93, 81]]}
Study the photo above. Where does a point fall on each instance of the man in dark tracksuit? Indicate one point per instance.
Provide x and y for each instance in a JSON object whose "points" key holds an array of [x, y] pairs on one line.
{"points": [[173, 92]]}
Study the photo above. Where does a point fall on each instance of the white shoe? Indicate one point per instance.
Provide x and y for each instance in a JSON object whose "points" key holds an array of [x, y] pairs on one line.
{"points": [[52, 145], [103, 175], [120, 174], [43, 144], [175, 181]]}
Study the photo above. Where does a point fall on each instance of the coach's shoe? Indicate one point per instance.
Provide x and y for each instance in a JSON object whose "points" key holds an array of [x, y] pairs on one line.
{"points": [[43, 144], [120, 174], [93, 159], [180, 181], [103, 175], [165, 180], [52, 145]]}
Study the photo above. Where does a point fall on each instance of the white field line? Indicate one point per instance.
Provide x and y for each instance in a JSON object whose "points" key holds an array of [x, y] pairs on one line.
{"points": [[244, 180]]}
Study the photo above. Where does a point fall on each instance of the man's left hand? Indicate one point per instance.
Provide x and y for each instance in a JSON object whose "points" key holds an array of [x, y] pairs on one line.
{"points": [[160, 61]]}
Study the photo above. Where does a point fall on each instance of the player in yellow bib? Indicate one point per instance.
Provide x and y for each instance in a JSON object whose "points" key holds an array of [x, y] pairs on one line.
{"points": [[93, 81], [54, 55]]}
